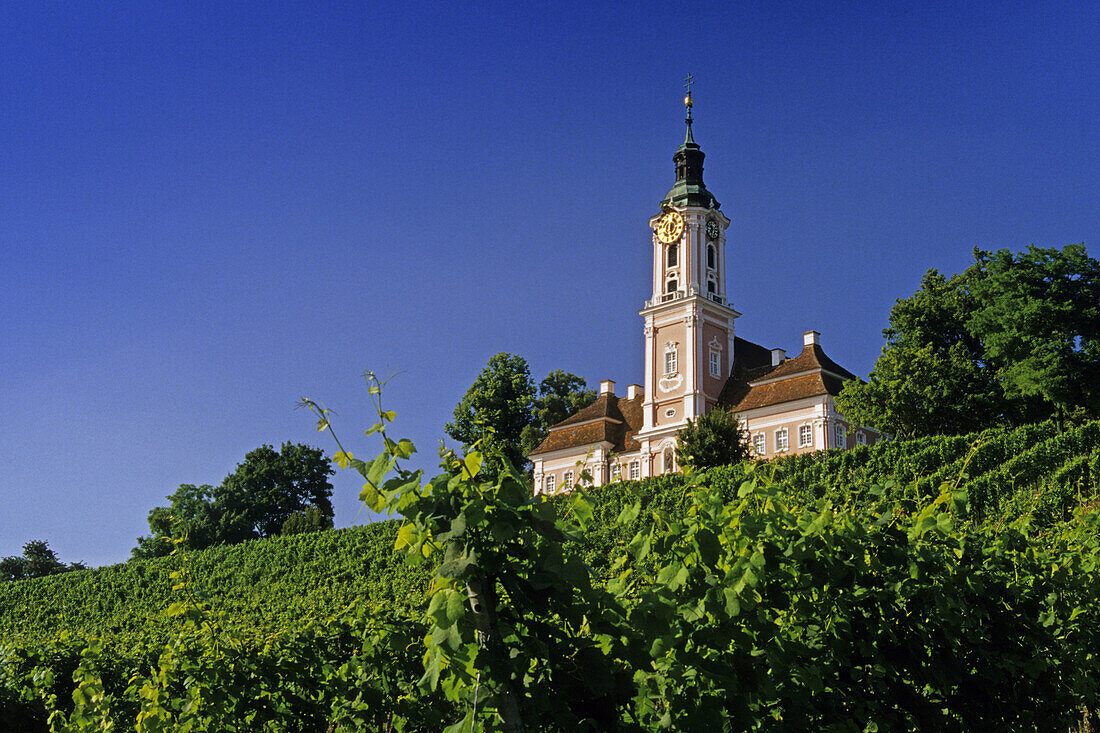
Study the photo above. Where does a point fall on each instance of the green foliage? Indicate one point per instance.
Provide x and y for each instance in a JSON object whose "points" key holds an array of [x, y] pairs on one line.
{"points": [[504, 413], [715, 439], [37, 561], [496, 408], [1015, 338], [312, 519], [932, 377], [277, 584], [937, 584], [1040, 323], [190, 516], [266, 491], [561, 394]]}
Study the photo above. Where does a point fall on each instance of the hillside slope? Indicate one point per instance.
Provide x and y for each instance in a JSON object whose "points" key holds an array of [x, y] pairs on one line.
{"points": [[859, 581], [282, 583]]}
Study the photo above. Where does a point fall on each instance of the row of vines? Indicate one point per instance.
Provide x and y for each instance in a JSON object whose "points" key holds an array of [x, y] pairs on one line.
{"points": [[944, 584]]}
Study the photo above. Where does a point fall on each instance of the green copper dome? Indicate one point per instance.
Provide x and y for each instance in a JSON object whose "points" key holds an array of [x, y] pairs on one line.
{"points": [[689, 189]]}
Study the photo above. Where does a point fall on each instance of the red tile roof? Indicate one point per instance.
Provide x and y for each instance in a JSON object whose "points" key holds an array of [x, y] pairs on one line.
{"points": [[812, 384], [609, 419], [812, 358], [810, 374]]}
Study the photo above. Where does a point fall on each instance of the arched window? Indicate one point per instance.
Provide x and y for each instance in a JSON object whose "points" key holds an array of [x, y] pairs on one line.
{"points": [[673, 255], [712, 258], [671, 286]]}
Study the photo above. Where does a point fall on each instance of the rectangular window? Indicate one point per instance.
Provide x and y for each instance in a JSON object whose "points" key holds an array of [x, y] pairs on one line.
{"points": [[635, 471], [670, 363], [616, 471], [861, 439], [549, 483], [715, 364], [758, 444], [567, 481], [841, 436], [781, 439], [805, 436]]}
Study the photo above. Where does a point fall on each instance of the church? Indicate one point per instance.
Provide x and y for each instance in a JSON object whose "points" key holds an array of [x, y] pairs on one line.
{"points": [[694, 360]]}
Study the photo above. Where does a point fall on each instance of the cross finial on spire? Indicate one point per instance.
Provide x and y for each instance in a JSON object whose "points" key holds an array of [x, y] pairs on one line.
{"points": [[688, 81]]}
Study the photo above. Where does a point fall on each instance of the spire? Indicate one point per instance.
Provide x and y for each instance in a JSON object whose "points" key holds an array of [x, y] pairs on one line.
{"points": [[689, 189], [689, 103]]}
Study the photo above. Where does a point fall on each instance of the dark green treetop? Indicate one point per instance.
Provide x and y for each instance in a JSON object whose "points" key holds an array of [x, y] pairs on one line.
{"points": [[715, 439], [268, 491], [1014, 338], [504, 410]]}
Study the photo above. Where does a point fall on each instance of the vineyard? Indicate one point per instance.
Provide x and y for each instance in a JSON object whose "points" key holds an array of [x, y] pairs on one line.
{"points": [[942, 583]]}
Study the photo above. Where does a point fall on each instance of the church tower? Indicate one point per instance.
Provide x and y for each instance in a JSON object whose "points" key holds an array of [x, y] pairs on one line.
{"points": [[786, 405], [689, 330]]}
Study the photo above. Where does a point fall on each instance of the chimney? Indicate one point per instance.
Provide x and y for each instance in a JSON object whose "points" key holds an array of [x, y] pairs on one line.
{"points": [[607, 387], [633, 391], [811, 338], [778, 355]]}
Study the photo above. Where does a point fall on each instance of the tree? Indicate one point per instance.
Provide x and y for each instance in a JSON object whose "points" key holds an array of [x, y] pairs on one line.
{"points": [[495, 409], [258, 499], [269, 486], [503, 409], [1012, 339], [1040, 323], [38, 561], [561, 394], [715, 439], [932, 376], [189, 516], [310, 519]]}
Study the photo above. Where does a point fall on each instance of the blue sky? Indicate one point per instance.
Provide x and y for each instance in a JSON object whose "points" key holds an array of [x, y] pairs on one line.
{"points": [[209, 210]]}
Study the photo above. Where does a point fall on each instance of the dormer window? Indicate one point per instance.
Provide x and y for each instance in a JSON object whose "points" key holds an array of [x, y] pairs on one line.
{"points": [[673, 255]]}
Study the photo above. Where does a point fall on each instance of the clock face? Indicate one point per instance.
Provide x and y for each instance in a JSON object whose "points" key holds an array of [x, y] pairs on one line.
{"points": [[670, 227], [712, 229]]}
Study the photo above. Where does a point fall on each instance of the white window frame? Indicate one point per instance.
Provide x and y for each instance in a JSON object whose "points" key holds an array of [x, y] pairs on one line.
{"points": [[782, 442], [549, 483], [635, 470], [567, 481], [805, 436], [759, 444], [840, 433], [861, 438], [670, 362], [715, 363], [616, 471]]}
